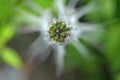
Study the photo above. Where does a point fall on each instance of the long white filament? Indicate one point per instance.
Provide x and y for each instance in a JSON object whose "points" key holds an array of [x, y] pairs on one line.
{"points": [[81, 48], [72, 3], [34, 6], [60, 7], [29, 29], [28, 17], [59, 59], [83, 10], [37, 48]]}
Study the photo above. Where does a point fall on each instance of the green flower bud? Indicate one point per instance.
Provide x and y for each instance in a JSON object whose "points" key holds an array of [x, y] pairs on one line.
{"points": [[58, 31]]}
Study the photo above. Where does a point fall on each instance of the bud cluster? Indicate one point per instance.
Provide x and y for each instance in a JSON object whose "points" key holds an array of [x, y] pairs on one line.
{"points": [[58, 31]]}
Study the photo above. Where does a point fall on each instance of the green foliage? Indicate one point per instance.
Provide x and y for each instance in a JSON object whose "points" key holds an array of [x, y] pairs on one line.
{"points": [[117, 77], [113, 47], [73, 58], [11, 57], [44, 3], [88, 67], [6, 33], [6, 12]]}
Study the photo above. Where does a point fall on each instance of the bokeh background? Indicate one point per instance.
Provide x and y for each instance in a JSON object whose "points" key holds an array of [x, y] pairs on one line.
{"points": [[105, 55]]}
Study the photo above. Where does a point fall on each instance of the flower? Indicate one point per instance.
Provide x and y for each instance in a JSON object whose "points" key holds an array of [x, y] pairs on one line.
{"points": [[58, 30]]}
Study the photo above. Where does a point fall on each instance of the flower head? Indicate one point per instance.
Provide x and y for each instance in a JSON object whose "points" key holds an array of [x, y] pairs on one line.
{"points": [[59, 31], [63, 28]]}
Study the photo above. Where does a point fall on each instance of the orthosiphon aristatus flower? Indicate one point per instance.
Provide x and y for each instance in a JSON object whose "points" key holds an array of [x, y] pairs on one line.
{"points": [[58, 31]]}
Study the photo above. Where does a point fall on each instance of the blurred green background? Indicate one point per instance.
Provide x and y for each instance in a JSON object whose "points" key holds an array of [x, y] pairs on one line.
{"points": [[104, 63]]}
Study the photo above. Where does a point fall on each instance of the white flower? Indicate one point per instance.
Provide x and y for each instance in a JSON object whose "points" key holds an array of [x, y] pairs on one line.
{"points": [[69, 15]]}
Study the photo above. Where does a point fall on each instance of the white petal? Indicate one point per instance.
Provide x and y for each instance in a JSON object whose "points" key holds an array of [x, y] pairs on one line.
{"points": [[44, 56], [60, 7], [81, 48], [90, 39], [83, 10], [37, 48], [59, 56], [41, 22], [46, 18], [34, 6], [29, 29], [28, 17], [72, 3], [86, 27], [93, 36]]}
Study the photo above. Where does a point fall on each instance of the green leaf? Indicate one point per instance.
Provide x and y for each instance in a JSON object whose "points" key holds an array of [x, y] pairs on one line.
{"points": [[6, 33], [45, 3], [6, 10], [11, 57], [113, 47], [117, 77]]}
